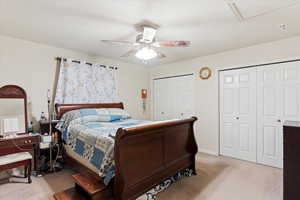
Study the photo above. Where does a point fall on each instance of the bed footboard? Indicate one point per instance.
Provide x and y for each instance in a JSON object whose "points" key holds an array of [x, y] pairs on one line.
{"points": [[147, 155]]}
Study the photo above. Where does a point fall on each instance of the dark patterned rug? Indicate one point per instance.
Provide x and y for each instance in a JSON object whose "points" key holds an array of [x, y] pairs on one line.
{"points": [[152, 194]]}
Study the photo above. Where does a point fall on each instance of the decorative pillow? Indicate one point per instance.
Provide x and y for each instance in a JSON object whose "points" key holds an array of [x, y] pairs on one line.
{"points": [[91, 115], [118, 112]]}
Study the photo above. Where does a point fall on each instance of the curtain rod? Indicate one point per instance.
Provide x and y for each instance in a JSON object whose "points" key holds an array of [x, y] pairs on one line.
{"points": [[77, 61]]}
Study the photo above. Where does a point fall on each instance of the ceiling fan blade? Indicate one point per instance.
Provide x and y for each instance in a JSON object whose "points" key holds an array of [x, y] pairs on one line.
{"points": [[118, 42], [129, 53], [172, 44]]}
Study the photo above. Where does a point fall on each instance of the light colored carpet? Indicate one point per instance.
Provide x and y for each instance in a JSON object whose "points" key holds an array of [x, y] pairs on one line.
{"points": [[219, 178]]}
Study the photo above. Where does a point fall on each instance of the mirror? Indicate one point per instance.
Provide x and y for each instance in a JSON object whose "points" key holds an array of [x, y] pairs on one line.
{"points": [[13, 111], [12, 116]]}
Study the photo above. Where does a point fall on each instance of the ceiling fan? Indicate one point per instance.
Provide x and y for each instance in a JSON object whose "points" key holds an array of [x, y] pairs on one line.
{"points": [[145, 46]]}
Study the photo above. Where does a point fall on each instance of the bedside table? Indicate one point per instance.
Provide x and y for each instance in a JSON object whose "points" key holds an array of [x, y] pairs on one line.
{"points": [[45, 126], [56, 144]]}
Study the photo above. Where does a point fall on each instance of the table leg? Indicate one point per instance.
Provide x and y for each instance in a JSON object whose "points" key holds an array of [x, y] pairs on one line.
{"points": [[36, 154]]}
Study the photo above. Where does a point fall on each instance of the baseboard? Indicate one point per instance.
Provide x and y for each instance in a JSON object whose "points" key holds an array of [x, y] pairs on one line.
{"points": [[208, 152]]}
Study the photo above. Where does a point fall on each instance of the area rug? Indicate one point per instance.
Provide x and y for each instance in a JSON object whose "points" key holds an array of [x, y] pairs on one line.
{"points": [[152, 194]]}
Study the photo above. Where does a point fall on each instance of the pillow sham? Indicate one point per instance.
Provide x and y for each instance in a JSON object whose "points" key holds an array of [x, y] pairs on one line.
{"points": [[92, 115], [118, 112]]}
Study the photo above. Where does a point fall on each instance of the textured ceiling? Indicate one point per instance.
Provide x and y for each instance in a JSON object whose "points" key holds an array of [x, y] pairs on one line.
{"points": [[209, 24]]}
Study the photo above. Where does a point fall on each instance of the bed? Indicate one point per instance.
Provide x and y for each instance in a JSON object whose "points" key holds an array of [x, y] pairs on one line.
{"points": [[143, 153]]}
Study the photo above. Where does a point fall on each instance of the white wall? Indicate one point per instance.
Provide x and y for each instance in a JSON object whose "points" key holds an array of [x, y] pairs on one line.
{"points": [[206, 97], [32, 66]]}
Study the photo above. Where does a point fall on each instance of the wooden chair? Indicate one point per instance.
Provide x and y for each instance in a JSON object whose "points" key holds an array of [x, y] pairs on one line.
{"points": [[16, 160]]}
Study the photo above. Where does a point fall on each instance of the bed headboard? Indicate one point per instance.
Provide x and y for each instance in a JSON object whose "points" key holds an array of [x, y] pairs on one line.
{"points": [[63, 108]]}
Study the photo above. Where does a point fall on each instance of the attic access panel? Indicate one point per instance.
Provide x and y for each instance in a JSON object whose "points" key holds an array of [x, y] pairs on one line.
{"points": [[254, 8]]}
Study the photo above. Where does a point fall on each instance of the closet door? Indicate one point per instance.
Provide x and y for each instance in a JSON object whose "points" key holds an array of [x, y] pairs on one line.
{"points": [[278, 100], [290, 87], [290, 99], [184, 91], [228, 110], [269, 133], [157, 97], [164, 102], [238, 113], [246, 113], [173, 98]]}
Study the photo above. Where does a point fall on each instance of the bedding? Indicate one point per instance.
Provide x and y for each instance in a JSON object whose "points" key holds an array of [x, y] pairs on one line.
{"points": [[90, 133]]}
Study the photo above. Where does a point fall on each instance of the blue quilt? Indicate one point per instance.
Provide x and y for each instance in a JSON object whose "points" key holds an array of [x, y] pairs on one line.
{"points": [[90, 133]]}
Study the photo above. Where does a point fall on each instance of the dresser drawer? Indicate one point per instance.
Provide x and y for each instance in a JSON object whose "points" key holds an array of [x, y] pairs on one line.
{"points": [[25, 141], [19, 141]]}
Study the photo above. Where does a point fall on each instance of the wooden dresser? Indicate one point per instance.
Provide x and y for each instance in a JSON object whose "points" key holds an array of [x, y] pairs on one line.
{"points": [[291, 157]]}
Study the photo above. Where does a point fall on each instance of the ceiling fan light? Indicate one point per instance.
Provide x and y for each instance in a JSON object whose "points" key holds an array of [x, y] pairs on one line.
{"points": [[146, 53]]}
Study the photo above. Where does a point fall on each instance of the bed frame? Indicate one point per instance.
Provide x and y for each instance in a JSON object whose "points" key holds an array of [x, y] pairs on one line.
{"points": [[146, 155]]}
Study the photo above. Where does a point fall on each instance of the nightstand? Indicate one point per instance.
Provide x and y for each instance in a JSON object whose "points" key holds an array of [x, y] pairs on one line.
{"points": [[45, 126], [56, 143]]}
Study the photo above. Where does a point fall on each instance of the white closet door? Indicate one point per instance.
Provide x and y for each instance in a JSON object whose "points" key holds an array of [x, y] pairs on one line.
{"points": [[290, 87], [278, 100], [238, 113], [184, 91], [290, 99], [246, 112], [163, 107], [173, 98], [269, 133], [228, 128], [156, 96]]}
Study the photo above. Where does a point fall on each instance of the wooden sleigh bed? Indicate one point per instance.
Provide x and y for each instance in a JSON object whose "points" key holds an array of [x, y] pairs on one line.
{"points": [[145, 155]]}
